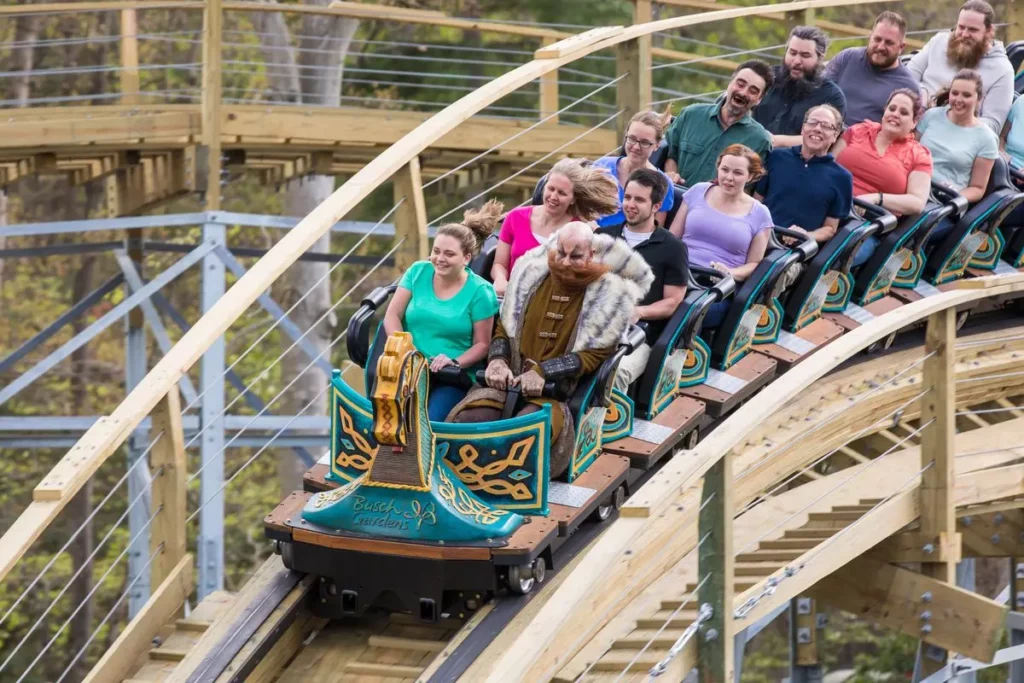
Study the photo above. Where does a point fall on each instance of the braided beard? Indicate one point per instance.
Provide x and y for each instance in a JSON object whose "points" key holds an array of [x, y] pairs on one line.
{"points": [[575, 278]]}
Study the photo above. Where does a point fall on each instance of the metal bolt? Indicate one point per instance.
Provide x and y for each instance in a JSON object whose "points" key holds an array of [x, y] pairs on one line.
{"points": [[821, 620], [710, 634], [966, 521], [928, 548], [998, 519], [926, 615], [803, 606], [995, 539], [926, 596], [803, 635], [927, 628]]}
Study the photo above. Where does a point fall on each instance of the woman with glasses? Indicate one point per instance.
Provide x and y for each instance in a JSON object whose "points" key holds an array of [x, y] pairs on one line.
{"points": [[643, 135], [572, 192]]}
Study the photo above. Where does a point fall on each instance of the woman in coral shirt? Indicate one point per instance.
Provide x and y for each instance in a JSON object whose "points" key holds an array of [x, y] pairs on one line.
{"points": [[890, 167]]}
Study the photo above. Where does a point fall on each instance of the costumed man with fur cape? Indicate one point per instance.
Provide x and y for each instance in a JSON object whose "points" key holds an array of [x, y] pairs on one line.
{"points": [[566, 308]]}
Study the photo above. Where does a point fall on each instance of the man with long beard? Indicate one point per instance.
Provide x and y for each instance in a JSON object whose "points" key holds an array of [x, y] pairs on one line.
{"points": [[564, 312], [868, 75], [970, 45], [799, 87]]}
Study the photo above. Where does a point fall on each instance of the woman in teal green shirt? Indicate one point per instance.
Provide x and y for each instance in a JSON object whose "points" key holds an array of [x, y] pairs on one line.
{"points": [[448, 309]]}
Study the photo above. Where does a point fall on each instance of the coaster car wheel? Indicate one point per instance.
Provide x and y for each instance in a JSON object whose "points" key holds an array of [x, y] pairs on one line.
{"points": [[522, 577]]}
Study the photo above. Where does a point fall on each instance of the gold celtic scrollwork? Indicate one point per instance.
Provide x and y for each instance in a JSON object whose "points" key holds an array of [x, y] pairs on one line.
{"points": [[354, 460], [465, 504], [483, 478], [333, 496]]}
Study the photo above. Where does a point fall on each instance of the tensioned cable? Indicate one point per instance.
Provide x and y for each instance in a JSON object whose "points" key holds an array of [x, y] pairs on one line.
{"points": [[696, 96], [81, 568], [672, 616], [969, 343], [712, 58], [845, 481], [294, 379], [685, 555], [526, 168], [117, 603], [972, 412], [821, 425], [524, 131], [97, 96], [288, 312], [82, 526], [72, 70], [756, 501], [92, 591]]}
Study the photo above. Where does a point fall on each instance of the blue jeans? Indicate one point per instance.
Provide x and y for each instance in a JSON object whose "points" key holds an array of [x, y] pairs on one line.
{"points": [[865, 251], [715, 315], [939, 232], [442, 399]]}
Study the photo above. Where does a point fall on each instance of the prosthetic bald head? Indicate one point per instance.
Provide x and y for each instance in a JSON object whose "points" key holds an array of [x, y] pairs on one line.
{"points": [[573, 244]]}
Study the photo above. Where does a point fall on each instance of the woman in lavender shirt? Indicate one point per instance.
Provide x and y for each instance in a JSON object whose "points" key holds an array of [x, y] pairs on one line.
{"points": [[723, 227]]}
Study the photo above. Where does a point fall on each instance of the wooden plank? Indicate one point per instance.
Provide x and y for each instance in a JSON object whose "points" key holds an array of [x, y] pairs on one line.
{"points": [[410, 217], [129, 57], [575, 43], [891, 596], [169, 488], [820, 333], [756, 370], [682, 415], [383, 670], [213, 26], [138, 635], [715, 571], [368, 545], [549, 104], [914, 546], [938, 406]]}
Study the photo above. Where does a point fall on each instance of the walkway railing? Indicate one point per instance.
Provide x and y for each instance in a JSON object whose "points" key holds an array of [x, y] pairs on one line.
{"points": [[161, 472]]}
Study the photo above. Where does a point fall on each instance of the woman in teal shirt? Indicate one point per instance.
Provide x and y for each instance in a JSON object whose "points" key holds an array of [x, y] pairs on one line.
{"points": [[448, 309]]}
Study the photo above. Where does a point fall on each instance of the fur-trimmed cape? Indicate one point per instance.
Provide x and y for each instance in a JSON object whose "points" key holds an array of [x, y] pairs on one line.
{"points": [[607, 304]]}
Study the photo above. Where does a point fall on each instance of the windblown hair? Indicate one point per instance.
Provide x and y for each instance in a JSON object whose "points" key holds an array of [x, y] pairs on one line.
{"points": [[659, 122], [982, 8], [594, 191], [753, 160], [476, 226], [942, 97], [893, 19]]}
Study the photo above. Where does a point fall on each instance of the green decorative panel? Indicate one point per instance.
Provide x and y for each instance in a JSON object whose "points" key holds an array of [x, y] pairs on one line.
{"points": [[769, 324], [588, 442], [618, 420], [695, 364]]}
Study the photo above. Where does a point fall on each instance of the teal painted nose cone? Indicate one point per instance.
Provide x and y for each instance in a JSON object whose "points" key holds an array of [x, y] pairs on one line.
{"points": [[445, 511]]}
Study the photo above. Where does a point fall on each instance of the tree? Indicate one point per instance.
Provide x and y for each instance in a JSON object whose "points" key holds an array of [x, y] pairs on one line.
{"points": [[312, 75]]}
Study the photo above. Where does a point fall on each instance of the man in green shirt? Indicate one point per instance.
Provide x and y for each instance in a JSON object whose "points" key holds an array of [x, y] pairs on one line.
{"points": [[702, 131]]}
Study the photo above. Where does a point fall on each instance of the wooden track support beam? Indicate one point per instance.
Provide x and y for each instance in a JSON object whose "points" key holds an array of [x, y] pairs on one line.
{"points": [[37, 164], [137, 637], [169, 487], [130, 85], [803, 633], [633, 92], [904, 600], [549, 90], [213, 22], [155, 179], [914, 546], [996, 534], [938, 406], [716, 574], [410, 217]]}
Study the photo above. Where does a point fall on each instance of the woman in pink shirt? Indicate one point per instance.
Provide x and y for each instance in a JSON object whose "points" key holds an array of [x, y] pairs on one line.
{"points": [[573, 192], [890, 167]]}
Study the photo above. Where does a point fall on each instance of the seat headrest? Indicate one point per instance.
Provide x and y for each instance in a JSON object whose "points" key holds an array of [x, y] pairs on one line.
{"points": [[1000, 177]]}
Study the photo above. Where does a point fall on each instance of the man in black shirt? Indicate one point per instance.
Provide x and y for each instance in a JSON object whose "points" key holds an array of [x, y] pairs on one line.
{"points": [[665, 254], [799, 86]]}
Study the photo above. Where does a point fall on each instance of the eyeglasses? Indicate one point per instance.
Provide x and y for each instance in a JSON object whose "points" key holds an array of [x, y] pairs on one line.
{"points": [[644, 144], [823, 125]]}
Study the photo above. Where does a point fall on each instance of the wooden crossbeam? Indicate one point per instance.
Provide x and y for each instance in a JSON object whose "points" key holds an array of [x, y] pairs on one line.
{"points": [[894, 597], [157, 178], [994, 534]]}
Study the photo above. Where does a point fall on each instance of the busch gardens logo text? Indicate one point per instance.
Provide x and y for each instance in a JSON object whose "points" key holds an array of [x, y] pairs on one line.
{"points": [[386, 514]]}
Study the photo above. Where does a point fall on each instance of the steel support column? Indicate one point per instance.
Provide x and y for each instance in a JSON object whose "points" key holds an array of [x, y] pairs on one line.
{"points": [[211, 516], [804, 664], [138, 481]]}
